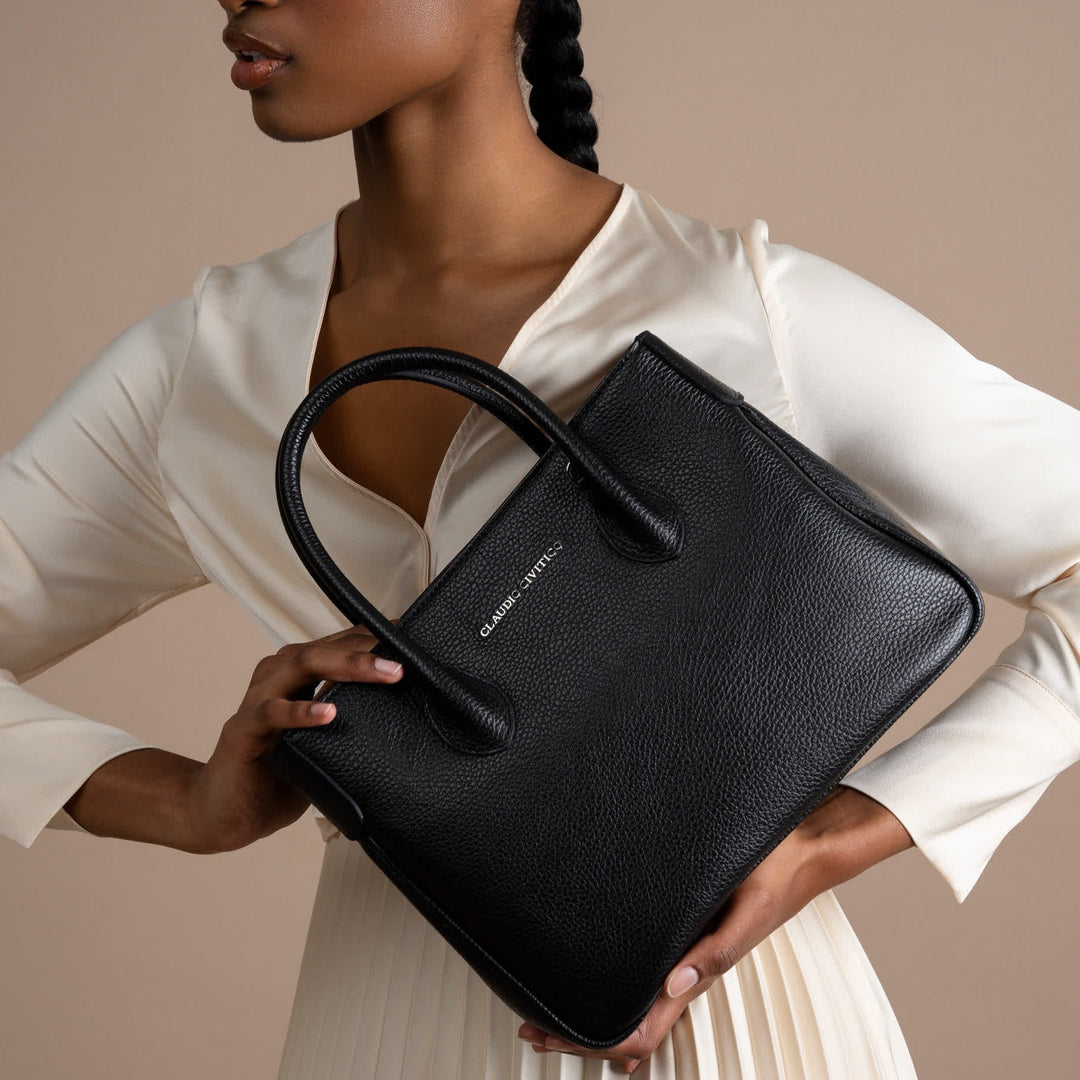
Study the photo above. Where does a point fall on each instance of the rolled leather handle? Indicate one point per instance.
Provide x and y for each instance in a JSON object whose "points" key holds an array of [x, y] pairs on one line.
{"points": [[477, 710]]}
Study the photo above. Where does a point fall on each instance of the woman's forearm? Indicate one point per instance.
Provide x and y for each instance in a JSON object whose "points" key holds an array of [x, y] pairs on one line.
{"points": [[142, 795], [850, 832], [138, 795]]}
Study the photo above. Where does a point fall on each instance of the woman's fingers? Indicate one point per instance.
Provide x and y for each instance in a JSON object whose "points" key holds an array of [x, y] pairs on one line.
{"points": [[628, 1066], [251, 732], [274, 714], [750, 918], [298, 666], [751, 914], [269, 706], [779, 887], [272, 704], [286, 679]]}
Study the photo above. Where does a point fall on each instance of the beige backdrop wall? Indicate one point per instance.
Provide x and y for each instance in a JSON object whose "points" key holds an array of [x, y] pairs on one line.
{"points": [[929, 147]]}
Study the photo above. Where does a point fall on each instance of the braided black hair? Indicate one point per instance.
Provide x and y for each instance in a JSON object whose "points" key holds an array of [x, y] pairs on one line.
{"points": [[560, 99]]}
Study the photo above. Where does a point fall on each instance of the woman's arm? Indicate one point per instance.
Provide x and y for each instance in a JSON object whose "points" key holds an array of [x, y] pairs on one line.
{"points": [[985, 468], [848, 833], [87, 542], [141, 795]]}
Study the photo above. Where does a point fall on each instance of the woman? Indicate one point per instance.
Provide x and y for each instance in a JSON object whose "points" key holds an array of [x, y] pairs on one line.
{"points": [[153, 474]]}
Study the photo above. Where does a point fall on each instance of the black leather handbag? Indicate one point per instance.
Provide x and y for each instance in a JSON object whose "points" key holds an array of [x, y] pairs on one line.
{"points": [[668, 643]]}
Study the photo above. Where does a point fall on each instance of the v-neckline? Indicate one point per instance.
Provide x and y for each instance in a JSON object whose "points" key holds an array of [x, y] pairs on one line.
{"points": [[506, 361]]}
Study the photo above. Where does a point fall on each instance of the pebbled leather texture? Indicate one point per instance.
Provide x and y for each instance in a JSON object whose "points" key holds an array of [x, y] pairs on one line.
{"points": [[661, 717]]}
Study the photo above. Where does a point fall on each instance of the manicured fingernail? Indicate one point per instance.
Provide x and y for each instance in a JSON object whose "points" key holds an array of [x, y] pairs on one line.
{"points": [[681, 981], [391, 667], [322, 709]]}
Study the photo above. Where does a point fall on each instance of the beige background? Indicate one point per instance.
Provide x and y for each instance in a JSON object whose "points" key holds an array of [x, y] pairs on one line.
{"points": [[929, 147]]}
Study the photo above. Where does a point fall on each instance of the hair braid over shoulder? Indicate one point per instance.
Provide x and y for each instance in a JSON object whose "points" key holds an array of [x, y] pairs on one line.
{"points": [[560, 100]]}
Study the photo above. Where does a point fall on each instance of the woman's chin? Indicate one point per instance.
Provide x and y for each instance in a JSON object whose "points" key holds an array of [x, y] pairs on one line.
{"points": [[283, 120]]}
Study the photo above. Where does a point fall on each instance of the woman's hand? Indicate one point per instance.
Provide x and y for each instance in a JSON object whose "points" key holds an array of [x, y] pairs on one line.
{"points": [[234, 798], [847, 833]]}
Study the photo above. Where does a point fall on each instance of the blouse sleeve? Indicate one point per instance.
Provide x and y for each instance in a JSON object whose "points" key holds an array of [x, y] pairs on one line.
{"points": [[984, 468], [87, 542]]}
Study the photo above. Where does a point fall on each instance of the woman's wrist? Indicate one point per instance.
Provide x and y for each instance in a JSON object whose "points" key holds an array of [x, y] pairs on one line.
{"points": [[848, 832], [139, 795]]}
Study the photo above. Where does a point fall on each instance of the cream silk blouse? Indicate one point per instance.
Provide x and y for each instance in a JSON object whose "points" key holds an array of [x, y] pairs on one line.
{"points": [[153, 473]]}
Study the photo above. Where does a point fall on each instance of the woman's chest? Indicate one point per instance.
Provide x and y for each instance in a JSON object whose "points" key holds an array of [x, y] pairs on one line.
{"points": [[392, 436]]}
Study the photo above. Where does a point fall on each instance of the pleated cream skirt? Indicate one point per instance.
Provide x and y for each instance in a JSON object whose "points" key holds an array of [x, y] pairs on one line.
{"points": [[382, 996]]}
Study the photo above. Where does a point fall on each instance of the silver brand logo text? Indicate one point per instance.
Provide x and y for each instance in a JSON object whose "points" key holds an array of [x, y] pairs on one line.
{"points": [[515, 594]]}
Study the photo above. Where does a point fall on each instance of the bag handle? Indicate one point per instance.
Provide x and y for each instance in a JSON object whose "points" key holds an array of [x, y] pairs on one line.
{"points": [[479, 714]]}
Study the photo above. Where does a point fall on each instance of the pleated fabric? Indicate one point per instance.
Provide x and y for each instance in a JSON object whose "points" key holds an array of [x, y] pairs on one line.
{"points": [[381, 995]]}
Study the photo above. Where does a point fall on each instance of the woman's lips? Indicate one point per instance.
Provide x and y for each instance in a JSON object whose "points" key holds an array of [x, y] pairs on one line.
{"points": [[251, 74]]}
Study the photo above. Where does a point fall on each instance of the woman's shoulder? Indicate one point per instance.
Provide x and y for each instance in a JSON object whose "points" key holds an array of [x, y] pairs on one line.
{"points": [[745, 244], [693, 236], [153, 349], [305, 257]]}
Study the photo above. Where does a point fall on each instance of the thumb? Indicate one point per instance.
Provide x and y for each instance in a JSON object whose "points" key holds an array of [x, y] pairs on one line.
{"points": [[746, 922]]}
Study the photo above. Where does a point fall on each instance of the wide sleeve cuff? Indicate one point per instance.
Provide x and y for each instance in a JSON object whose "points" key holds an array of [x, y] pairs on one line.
{"points": [[1013, 736], [46, 755]]}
